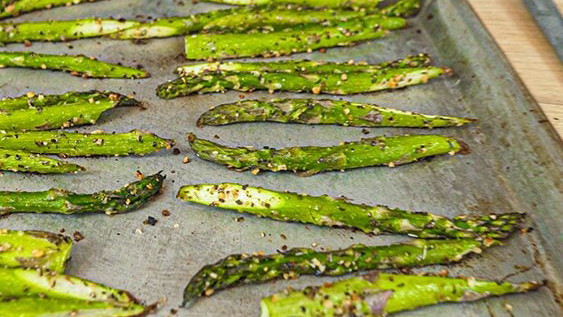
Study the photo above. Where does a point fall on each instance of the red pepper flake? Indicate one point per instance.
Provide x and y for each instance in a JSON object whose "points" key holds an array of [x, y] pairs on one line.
{"points": [[139, 175], [166, 213]]}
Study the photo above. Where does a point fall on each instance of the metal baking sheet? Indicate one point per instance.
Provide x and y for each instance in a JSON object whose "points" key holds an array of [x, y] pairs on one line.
{"points": [[514, 165]]}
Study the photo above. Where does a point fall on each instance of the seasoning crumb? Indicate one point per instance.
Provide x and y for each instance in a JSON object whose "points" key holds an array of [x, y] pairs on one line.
{"points": [[314, 244], [216, 137], [139, 175], [151, 221], [283, 236], [239, 219], [365, 131], [138, 231], [173, 311], [263, 234], [176, 151], [284, 247], [166, 212], [62, 230], [186, 160], [78, 236], [176, 225]]}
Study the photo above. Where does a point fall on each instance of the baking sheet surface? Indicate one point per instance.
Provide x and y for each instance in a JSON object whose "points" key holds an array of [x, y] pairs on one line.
{"points": [[513, 166]]}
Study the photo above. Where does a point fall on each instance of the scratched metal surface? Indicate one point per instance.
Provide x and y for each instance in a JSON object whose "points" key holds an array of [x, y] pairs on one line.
{"points": [[514, 166]]}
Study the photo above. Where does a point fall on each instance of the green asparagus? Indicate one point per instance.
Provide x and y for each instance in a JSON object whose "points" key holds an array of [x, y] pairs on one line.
{"points": [[9, 8], [382, 294], [61, 30], [68, 144], [304, 67], [34, 249], [311, 111], [327, 211], [237, 20], [241, 269], [370, 4], [355, 83], [390, 151], [20, 282], [296, 40], [41, 112], [43, 307], [19, 161], [300, 76], [77, 65], [128, 198]]}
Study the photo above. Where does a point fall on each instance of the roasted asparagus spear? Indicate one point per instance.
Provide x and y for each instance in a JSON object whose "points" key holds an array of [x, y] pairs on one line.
{"points": [[84, 144], [287, 42], [327, 211], [20, 282], [287, 78], [10, 8], [128, 198], [369, 4], [325, 111], [241, 269], [46, 306], [237, 20], [34, 249], [303, 67], [379, 294], [60, 31], [39, 112], [20, 161], [391, 151], [77, 65]]}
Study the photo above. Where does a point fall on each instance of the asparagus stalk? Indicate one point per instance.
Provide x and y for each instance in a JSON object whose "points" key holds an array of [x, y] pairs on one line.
{"points": [[53, 112], [84, 144], [19, 161], [311, 111], [370, 4], [382, 294], [303, 67], [61, 30], [32, 100], [34, 249], [77, 65], [327, 211], [310, 160], [296, 40], [237, 20], [242, 269], [9, 8], [128, 198], [343, 84], [18, 282], [44, 306]]}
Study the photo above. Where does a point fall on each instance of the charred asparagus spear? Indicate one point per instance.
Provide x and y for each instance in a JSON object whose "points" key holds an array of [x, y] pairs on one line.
{"points": [[34, 249], [327, 211], [128, 198], [19, 161], [19, 282], [41, 112], [242, 269], [303, 67], [370, 4], [10, 8], [379, 294], [311, 111], [310, 160], [77, 65], [45, 306], [287, 42], [84, 144], [288, 79]]}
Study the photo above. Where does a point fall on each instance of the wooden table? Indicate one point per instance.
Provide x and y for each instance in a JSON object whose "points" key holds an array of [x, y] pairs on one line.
{"points": [[530, 53]]}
